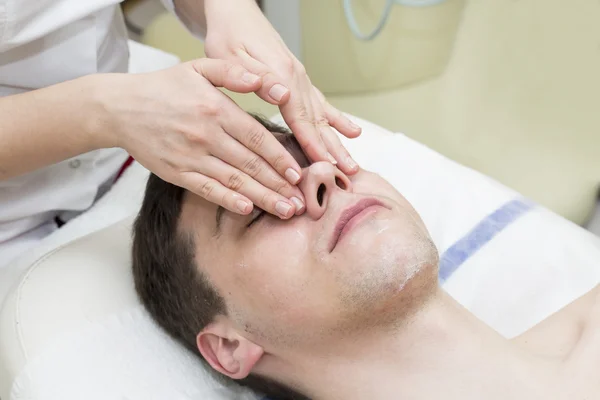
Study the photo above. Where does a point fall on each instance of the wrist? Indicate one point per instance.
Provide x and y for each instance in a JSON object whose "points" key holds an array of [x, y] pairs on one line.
{"points": [[228, 7], [96, 115], [192, 14]]}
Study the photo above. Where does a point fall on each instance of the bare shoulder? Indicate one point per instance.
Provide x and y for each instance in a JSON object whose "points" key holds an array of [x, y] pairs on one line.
{"points": [[558, 334]]}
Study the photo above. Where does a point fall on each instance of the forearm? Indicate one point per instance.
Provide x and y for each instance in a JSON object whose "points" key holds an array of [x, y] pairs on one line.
{"points": [[49, 125], [195, 14], [191, 13]]}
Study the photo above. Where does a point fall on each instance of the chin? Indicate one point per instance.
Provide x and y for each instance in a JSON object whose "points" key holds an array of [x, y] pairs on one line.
{"points": [[387, 275]]}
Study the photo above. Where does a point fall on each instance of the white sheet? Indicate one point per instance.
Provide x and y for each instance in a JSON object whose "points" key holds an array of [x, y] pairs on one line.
{"points": [[531, 267]]}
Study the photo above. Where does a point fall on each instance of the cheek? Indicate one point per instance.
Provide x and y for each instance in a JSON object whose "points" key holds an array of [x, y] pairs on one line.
{"points": [[270, 273], [371, 183], [376, 185]]}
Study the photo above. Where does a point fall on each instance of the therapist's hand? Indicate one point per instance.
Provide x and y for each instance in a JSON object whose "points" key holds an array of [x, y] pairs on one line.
{"points": [[238, 31], [179, 126]]}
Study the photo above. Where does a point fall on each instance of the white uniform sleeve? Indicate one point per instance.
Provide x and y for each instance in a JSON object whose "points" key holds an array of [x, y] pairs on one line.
{"points": [[23, 21]]}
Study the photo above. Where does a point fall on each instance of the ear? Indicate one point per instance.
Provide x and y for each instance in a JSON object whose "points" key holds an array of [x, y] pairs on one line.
{"points": [[227, 351]]}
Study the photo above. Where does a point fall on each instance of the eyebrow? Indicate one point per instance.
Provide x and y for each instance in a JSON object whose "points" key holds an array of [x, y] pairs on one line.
{"points": [[219, 219]]}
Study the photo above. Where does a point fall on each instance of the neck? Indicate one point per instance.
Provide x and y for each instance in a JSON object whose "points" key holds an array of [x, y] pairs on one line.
{"points": [[443, 350]]}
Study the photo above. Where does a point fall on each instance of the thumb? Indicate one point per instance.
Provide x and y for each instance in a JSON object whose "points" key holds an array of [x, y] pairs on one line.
{"points": [[228, 75]]}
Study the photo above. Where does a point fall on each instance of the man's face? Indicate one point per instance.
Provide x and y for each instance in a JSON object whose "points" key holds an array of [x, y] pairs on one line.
{"points": [[343, 263]]}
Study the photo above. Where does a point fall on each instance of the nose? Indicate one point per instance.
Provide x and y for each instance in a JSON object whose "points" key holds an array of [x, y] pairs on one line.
{"points": [[321, 180]]}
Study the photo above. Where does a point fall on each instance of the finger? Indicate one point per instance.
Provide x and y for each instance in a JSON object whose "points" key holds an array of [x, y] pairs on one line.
{"points": [[213, 191], [299, 116], [239, 156], [334, 146], [344, 161], [239, 182], [294, 104], [340, 122], [272, 90], [226, 74], [252, 134], [336, 118]]}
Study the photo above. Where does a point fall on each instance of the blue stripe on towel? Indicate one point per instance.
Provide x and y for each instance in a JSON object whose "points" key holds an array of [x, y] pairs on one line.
{"points": [[481, 234]]}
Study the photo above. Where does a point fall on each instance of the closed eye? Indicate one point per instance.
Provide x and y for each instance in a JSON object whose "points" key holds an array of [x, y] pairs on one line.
{"points": [[257, 216]]}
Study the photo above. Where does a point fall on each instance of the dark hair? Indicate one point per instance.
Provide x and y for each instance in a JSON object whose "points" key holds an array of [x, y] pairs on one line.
{"points": [[168, 281]]}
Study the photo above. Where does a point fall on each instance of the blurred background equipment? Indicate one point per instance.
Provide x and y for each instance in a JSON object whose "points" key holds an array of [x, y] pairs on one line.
{"points": [[356, 30]]}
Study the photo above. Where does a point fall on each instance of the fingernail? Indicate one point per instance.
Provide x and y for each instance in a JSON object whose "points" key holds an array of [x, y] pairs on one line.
{"points": [[277, 92], [351, 163], [283, 208], [242, 206], [250, 78], [331, 159], [298, 203], [292, 176], [354, 126]]}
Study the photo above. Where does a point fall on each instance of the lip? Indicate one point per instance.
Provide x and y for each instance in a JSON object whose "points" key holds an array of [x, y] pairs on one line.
{"points": [[348, 217]]}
